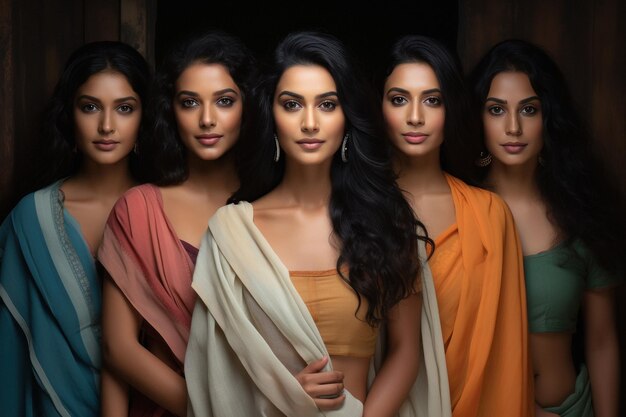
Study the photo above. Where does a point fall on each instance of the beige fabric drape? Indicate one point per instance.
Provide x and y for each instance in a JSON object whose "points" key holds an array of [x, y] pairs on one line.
{"points": [[251, 332]]}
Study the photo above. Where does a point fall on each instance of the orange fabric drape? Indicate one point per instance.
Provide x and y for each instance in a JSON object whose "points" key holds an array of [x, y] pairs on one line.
{"points": [[478, 273]]}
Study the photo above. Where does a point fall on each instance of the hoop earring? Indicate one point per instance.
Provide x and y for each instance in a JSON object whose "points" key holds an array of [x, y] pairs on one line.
{"points": [[344, 148], [484, 159], [277, 154]]}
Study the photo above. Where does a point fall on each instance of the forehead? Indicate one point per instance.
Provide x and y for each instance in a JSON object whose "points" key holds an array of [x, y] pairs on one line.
{"points": [[106, 84], [512, 84], [201, 76], [412, 76], [306, 80]]}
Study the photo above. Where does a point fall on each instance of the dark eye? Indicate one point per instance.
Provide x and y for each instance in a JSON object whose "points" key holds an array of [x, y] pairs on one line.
{"points": [[125, 108], [189, 102], [495, 110], [89, 108], [291, 105], [432, 101], [529, 110], [328, 105], [398, 100], [225, 102]]}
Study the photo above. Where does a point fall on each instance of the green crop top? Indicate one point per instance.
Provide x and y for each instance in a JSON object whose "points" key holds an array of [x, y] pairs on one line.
{"points": [[555, 282]]}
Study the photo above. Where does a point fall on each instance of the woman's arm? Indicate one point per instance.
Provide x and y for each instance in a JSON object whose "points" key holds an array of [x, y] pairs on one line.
{"points": [[602, 351], [132, 362], [399, 369], [116, 393]]}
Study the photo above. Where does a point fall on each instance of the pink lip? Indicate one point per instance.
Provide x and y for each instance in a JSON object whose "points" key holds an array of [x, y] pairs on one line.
{"points": [[514, 147], [105, 145], [310, 144], [415, 138], [209, 139]]}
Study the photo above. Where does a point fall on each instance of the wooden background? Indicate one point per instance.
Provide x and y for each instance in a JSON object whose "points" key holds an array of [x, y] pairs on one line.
{"points": [[587, 38]]}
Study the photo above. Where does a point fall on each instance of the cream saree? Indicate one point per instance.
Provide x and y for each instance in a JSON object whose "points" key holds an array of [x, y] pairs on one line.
{"points": [[251, 332]]}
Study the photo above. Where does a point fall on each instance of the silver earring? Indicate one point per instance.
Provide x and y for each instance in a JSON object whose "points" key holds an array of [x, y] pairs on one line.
{"points": [[484, 159], [344, 148], [135, 147], [277, 154]]}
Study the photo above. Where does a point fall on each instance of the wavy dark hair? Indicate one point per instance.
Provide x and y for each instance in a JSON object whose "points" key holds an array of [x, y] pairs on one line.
{"points": [[58, 121], [163, 155], [377, 229], [582, 200], [459, 126]]}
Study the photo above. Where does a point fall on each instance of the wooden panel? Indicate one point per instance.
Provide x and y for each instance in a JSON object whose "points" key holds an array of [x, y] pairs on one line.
{"points": [[609, 116], [102, 20], [137, 27], [6, 106]]}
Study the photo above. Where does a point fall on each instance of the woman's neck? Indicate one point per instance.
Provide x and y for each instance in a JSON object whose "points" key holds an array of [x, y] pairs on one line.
{"points": [[211, 177], [104, 180], [420, 175], [306, 186], [513, 181]]}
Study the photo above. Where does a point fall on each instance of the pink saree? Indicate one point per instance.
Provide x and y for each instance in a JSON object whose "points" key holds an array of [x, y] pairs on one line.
{"points": [[149, 264]]}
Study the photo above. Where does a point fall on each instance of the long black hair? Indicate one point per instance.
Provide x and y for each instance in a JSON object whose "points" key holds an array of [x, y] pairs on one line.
{"points": [[58, 122], [375, 225], [582, 200], [459, 126], [163, 155]]}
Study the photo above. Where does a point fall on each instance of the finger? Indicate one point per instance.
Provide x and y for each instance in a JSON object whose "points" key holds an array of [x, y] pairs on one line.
{"points": [[315, 366], [325, 391], [319, 378], [330, 404]]}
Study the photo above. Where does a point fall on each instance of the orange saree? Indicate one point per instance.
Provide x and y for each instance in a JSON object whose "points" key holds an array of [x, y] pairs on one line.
{"points": [[478, 274]]}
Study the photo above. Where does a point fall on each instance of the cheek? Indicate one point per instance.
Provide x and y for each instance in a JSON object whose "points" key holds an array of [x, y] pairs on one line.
{"points": [[129, 125], [493, 130], [185, 120], [394, 118], [438, 121], [84, 126], [231, 120]]}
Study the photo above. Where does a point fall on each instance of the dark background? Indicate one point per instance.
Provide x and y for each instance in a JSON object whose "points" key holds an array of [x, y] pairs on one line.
{"points": [[587, 38]]}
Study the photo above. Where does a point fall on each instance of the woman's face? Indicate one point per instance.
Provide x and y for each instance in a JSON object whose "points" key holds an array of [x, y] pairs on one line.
{"points": [[512, 120], [107, 115], [310, 123], [207, 106], [413, 109]]}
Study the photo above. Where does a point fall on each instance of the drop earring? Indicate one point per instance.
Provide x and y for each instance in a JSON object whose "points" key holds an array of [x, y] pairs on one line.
{"points": [[344, 148], [277, 154], [484, 159]]}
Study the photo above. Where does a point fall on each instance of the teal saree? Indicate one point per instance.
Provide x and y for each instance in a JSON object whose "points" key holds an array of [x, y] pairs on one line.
{"points": [[50, 300]]}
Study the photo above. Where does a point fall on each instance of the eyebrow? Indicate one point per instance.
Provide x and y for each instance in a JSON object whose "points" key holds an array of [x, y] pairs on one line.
{"points": [[292, 94], [524, 101], [403, 91], [117, 100], [217, 93]]}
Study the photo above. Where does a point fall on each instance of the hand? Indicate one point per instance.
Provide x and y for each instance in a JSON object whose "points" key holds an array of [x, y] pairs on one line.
{"points": [[326, 388]]}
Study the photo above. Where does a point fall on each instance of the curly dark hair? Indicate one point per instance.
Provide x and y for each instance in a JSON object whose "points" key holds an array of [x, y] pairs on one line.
{"points": [[58, 122], [163, 155], [582, 200], [459, 127], [377, 228]]}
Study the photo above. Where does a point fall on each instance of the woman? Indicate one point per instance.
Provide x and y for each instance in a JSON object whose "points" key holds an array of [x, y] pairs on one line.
{"points": [[476, 265], [319, 250], [49, 287], [569, 224], [151, 240]]}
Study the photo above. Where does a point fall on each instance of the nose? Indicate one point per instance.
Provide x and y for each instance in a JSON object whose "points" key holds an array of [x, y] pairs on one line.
{"points": [[207, 117], [415, 116], [309, 120], [105, 127], [513, 125]]}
